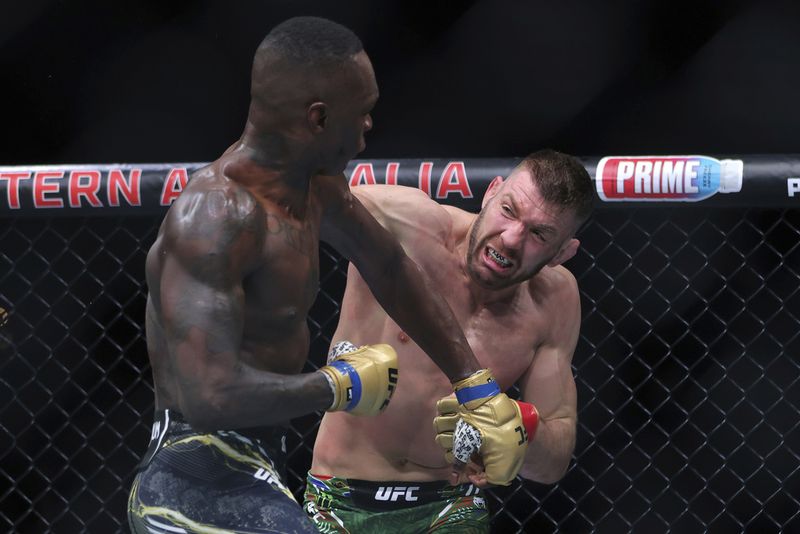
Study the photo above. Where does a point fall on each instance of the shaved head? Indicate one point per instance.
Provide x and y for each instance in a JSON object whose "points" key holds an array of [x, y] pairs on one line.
{"points": [[311, 93], [300, 61], [311, 41]]}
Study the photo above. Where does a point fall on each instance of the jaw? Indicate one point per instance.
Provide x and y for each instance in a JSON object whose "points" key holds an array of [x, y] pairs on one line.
{"points": [[486, 273], [496, 262]]}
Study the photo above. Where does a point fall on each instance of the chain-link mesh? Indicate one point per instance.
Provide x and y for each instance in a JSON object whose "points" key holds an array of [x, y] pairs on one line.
{"points": [[687, 376]]}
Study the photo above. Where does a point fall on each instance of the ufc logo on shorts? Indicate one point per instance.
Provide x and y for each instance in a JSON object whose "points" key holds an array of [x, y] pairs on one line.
{"points": [[263, 474], [392, 493]]}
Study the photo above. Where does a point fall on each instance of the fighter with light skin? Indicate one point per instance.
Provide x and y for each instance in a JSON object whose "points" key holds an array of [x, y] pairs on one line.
{"points": [[231, 277], [500, 271]]}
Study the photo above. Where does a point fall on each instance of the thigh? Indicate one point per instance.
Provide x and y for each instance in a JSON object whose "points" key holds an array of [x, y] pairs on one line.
{"points": [[200, 485], [328, 513], [462, 514]]}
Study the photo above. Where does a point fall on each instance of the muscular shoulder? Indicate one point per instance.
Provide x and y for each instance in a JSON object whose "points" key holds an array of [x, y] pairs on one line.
{"points": [[215, 220], [404, 209], [554, 284], [554, 291]]}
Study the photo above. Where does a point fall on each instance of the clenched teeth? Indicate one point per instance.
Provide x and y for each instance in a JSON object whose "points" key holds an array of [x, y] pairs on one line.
{"points": [[499, 258]]}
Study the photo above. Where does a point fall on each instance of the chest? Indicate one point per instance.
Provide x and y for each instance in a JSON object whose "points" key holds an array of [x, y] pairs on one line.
{"points": [[504, 336], [507, 345], [286, 282]]}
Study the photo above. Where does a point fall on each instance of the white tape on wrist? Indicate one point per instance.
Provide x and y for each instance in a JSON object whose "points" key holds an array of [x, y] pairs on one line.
{"points": [[333, 389], [466, 441], [342, 347]]}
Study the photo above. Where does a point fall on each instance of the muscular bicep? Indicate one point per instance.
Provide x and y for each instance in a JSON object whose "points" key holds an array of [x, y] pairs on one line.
{"points": [[549, 382], [550, 385]]}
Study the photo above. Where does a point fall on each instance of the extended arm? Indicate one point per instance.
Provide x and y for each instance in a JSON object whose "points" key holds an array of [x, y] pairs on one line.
{"points": [[396, 281]]}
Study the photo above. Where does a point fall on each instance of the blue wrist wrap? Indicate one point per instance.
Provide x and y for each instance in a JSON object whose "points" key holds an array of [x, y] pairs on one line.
{"points": [[345, 368], [489, 389]]}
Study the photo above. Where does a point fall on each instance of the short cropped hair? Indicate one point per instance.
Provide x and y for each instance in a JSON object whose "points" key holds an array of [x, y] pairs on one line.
{"points": [[312, 41], [562, 180]]}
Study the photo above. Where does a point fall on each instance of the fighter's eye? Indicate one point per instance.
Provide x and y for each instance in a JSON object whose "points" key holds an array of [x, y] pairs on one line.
{"points": [[538, 234]]}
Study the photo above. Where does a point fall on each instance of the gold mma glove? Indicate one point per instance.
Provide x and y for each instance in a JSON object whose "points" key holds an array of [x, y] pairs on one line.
{"points": [[362, 379], [482, 419]]}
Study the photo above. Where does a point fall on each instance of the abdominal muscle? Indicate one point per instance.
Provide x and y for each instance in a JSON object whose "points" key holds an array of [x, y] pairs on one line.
{"points": [[399, 443]]}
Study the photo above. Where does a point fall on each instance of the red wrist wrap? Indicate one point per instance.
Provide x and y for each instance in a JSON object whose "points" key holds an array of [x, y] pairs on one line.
{"points": [[530, 418]]}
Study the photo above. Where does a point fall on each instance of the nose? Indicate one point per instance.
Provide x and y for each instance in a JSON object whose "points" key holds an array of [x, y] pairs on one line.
{"points": [[513, 236], [368, 122]]}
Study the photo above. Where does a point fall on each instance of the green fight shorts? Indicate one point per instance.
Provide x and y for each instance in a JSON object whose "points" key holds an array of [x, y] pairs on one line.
{"points": [[338, 505]]}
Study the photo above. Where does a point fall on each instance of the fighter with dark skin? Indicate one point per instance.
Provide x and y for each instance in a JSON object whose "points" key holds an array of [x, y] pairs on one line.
{"points": [[235, 269]]}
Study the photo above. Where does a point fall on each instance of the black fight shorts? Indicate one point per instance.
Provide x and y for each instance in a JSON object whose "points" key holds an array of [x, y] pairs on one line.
{"points": [[217, 482]]}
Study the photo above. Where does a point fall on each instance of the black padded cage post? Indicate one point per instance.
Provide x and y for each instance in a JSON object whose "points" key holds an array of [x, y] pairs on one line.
{"points": [[687, 365]]}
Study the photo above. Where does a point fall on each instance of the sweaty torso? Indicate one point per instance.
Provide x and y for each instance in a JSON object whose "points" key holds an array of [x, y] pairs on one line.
{"points": [[279, 285], [399, 443]]}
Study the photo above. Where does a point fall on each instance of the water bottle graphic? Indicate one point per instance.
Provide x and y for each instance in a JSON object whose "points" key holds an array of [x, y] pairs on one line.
{"points": [[666, 178]]}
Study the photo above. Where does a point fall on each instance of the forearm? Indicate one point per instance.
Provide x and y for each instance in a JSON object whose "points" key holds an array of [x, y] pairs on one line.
{"points": [[251, 398], [422, 312], [549, 454]]}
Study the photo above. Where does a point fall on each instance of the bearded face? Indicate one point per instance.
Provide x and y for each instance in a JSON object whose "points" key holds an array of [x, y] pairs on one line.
{"points": [[517, 233]]}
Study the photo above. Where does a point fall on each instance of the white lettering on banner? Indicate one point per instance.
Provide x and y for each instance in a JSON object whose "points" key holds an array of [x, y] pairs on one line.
{"points": [[642, 177], [392, 493], [624, 172], [670, 175], [689, 176], [658, 177], [793, 186]]}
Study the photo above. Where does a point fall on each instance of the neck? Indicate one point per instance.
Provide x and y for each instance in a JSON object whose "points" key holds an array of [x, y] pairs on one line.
{"points": [[272, 168], [273, 148]]}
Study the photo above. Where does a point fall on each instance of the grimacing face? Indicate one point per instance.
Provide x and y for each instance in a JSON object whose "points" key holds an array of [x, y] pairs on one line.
{"points": [[350, 115], [517, 233]]}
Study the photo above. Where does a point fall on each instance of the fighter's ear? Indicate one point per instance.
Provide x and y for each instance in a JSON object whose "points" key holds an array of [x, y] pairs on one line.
{"points": [[494, 187], [317, 116], [568, 250]]}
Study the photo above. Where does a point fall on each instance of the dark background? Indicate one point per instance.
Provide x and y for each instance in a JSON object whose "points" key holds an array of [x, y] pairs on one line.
{"points": [[167, 81], [687, 368]]}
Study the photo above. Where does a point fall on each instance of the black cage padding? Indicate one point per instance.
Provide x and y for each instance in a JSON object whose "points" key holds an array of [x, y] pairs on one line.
{"points": [[687, 367]]}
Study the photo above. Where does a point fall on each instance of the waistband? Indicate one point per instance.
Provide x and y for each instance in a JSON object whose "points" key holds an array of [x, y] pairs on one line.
{"points": [[386, 495], [171, 425]]}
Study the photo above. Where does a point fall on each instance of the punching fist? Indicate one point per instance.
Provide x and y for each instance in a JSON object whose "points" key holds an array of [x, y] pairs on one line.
{"points": [[481, 419], [362, 379]]}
